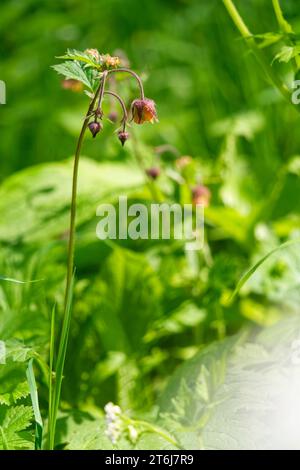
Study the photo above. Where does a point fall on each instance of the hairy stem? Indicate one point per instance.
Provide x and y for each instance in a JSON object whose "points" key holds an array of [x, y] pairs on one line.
{"points": [[101, 90], [135, 75], [70, 262], [54, 397], [115, 95]]}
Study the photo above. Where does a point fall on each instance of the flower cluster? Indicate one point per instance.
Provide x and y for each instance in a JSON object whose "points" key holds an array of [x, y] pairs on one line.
{"points": [[97, 70], [113, 419], [117, 423]]}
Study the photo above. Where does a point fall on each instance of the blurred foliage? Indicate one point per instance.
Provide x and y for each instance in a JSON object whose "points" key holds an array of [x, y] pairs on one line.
{"points": [[141, 308]]}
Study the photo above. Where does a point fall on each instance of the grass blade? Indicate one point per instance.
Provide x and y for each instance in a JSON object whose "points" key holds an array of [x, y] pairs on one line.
{"points": [[50, 379], [59, 369], [17, 281], [35, 405], [254, 268]]}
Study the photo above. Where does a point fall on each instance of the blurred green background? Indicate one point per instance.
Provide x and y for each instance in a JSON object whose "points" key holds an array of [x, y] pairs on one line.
{"points": [[141, 310]]}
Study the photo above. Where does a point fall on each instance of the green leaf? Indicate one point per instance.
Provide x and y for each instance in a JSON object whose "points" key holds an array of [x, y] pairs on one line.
{"points": [[44, 213], [73, 54], [233, 395], [75, 71], [13, 422], [268, 39], [35, 406], [287, 53]]}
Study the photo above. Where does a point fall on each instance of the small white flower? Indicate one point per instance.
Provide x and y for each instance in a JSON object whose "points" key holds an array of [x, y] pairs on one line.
{"points": [[113, 418]]}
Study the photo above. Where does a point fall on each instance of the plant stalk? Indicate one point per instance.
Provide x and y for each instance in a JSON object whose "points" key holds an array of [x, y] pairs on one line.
{"points": [[55, 392], [71, 243], [246, 34]]}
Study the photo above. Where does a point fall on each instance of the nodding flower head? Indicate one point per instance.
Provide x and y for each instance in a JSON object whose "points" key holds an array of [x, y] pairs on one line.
{"points": [[153, 172], [201, 195], [95, 127], [123, 136], [143, 110]]}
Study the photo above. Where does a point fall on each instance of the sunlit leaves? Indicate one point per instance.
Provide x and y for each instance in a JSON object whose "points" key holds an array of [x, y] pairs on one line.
{"points": [[13, 422]]}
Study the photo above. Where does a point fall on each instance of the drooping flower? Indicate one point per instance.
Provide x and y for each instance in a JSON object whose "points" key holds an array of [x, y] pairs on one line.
{"points": [[143, 110]]}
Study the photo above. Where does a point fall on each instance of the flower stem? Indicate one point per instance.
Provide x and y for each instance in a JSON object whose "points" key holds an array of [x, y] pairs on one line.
{"points": [[283, 24], [55, 392], [70, 262], [135, 75], [115, 95], [157, 430]]}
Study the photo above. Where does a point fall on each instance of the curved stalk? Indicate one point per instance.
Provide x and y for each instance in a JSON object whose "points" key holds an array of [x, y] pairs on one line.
{"points": [[115, 95], [135, 75]]}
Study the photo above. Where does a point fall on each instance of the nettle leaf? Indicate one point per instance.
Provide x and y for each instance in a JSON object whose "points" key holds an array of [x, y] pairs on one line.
{"points": [[83, 431], [44, 212], [73, 54], [240, 393], [13, 383], [287, 53], [13, 422], [74, 70]]}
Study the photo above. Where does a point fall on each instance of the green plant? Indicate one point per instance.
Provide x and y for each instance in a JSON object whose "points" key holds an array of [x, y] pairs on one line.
{"points": [[93, 70]]}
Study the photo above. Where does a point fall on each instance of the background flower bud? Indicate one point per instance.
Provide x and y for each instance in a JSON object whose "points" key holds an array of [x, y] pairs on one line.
{"points": [[153, 172], [201, 195]]}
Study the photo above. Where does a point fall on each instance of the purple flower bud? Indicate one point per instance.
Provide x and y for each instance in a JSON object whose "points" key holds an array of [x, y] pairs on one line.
{"points": [[153, 172], [95, 127], [123, 136]]}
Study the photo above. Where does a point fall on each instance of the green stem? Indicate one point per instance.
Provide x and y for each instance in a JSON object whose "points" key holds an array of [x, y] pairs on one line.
{"points": [[246, 34], [135, 75], [56, 391], [283, 24], [70, 262], [285, 28], [155, 429]]}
